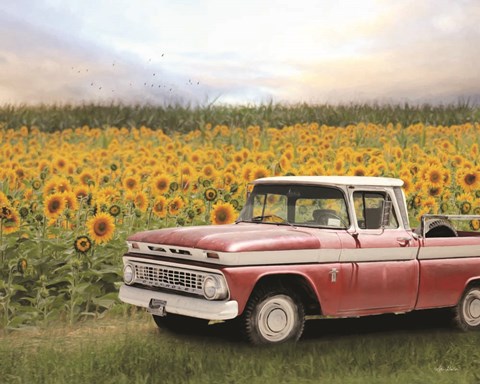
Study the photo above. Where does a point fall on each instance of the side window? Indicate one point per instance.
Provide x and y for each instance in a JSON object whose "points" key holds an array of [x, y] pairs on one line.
{"points": [[369, 209], [331, 212]]}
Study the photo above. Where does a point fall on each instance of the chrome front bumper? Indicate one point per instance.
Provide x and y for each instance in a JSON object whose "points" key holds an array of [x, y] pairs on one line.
{"points": [[181, 305]]}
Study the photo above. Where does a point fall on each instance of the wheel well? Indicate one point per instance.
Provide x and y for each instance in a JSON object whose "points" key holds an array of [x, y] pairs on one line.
{"points": [[438, 228], [475, 282], [472, 283], [300, 286]]}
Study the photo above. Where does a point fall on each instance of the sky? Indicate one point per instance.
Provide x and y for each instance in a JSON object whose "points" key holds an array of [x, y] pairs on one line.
{"points": [[239, 51]]}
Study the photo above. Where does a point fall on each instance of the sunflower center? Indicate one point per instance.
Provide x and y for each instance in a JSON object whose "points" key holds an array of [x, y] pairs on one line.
{"points": [[222, 216], [100, 227], [54, 205], [470, 179], [435, 177]]}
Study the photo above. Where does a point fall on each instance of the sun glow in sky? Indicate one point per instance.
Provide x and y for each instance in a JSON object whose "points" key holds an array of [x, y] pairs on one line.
{"points": [[247, 51]]}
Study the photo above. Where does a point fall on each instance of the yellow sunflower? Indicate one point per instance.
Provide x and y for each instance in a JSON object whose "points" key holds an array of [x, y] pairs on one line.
{"points": [[339, 166], [160, 184], [160, 207], [247, 171], [54, 205], [469, 179], [222, 213], [114, 210], [81, 192], [86, 177], [141, 201], [70, 200], [475, 225], [22, 265], [3, 199], [260, 172], [208, 171], [187, 169], [10, 220], [433, 176], [82, 244], [433, 190], [131, 183], [175, 205], [185, 183], [237, 157], [50, 187], [359, 170], [198, 206], [101, 227], [229, 178], [59, 164], [63, 185], [210, 194]]}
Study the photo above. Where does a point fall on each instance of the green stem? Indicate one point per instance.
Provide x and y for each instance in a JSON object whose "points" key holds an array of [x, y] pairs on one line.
{"points": [[1, 239]]}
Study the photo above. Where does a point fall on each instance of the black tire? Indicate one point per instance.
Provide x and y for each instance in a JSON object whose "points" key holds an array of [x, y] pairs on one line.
{"points": [[180, 324], [468, 310], [273, 315]]}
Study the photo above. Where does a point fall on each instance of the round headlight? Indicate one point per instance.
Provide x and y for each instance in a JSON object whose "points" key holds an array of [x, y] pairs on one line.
{"points": [[128, 274], [213, 289]]}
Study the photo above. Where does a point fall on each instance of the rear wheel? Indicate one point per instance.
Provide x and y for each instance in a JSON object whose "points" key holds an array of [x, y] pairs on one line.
{"points": [[273, 315], [468, 310]]}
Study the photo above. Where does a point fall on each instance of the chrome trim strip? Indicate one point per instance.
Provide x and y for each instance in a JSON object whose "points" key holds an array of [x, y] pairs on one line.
{"points": [[323, 255], [449, 252]]}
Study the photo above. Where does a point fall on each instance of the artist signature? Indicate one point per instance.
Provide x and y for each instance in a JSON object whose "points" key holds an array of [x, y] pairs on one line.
{"points": [[448, 368]]}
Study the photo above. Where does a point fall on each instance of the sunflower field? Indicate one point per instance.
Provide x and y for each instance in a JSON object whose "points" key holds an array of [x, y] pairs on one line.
{"points": [[70, 197]]}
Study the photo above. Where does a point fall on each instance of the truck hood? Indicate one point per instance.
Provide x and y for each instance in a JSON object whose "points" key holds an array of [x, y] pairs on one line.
{"points": [[242, 237]]}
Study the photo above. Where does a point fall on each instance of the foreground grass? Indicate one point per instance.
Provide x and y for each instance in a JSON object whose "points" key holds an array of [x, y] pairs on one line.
{"points": [[371, 350]]}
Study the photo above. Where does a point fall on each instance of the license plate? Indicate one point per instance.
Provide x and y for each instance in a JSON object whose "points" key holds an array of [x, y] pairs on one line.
{"points": [[157, 307]]}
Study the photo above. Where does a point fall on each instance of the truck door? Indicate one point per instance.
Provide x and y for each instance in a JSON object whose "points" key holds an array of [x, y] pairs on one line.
{"points": [[378, 267]]}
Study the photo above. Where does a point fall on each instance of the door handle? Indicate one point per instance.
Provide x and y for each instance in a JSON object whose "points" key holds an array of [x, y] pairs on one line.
{"points": [[404, 241]]}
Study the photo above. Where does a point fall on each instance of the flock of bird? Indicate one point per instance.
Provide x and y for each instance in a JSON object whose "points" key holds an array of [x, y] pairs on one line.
{"points": [[153, 83]]}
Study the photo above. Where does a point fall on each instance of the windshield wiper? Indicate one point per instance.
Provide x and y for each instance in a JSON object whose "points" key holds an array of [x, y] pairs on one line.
{"points": [[261, 218]]}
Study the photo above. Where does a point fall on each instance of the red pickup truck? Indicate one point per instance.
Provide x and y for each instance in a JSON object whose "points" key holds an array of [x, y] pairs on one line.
{"points": [[306, 247]]}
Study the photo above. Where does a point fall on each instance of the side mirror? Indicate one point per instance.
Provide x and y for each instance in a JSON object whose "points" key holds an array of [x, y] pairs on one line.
{"points": [[386, 212]]}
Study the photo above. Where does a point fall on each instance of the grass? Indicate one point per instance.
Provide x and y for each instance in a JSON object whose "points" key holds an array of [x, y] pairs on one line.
{"points": [[416, 348], [184, 118]]}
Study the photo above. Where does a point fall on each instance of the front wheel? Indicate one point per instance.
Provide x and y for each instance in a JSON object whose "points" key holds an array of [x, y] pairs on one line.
{"points": [[273, 315], [468, 310]]}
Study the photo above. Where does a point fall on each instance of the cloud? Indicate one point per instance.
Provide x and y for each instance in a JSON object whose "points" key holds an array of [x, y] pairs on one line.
{"points": [[240, 52], [39, 64]]}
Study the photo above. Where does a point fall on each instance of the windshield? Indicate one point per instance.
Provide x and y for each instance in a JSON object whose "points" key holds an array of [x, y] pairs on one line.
{"points": [[296, 205]]}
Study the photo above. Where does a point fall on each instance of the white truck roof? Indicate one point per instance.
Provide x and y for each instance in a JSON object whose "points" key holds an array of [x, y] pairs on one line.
{"points": [[333, 180]]}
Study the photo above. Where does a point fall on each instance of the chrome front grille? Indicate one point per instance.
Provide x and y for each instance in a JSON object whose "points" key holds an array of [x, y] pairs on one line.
{"points": [[162, 276]]}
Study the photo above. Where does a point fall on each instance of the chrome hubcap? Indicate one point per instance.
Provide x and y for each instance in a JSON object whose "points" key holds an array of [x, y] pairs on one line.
{"points": [[276, 318], [472, 308]]}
